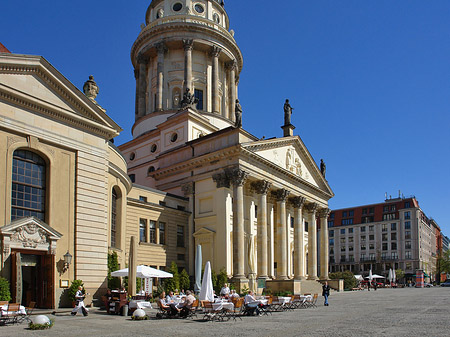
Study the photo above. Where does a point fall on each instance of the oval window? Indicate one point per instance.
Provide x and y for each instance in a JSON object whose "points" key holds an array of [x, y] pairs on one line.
{"points": [[177, 7], [216, 18], [132, 156], [199, 8], [153, 148], [174, 137]]}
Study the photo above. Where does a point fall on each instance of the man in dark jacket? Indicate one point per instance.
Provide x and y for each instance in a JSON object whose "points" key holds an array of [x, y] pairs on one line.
{"points": [[326, 292]]}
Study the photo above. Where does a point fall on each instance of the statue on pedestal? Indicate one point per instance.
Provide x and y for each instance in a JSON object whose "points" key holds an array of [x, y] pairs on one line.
{"points": [[238, 115], [90, 88], [287, 112], [188, 100], [323, 167]]}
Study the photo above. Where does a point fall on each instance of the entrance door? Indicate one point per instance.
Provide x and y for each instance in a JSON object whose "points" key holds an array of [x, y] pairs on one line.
{"points": [[46, 290]]}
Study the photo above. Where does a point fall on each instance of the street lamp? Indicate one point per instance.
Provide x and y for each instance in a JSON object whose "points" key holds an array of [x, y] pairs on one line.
{"points": [[67, 261]]}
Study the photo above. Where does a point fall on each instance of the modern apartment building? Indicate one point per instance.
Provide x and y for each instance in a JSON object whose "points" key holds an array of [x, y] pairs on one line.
{"points": [[393, 234]]}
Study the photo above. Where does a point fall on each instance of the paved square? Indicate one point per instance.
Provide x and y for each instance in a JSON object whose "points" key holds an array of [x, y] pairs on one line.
{"points": [[385, 312]]}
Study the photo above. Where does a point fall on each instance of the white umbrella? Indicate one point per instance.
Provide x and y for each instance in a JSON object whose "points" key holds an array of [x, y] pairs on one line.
{"points": [[143, 272], [359, 277], [207, 291], [251, 263], [370, 277], [198, 270], [394, 276], [390, 277]]}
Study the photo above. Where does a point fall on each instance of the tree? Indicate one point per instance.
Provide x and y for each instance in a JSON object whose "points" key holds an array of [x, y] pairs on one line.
{"points": [[5, 294], [184, 280], [113, 265], [444, 262], [222, 278], [349, 279], [74, 288], [171, 284], [399, 274]]}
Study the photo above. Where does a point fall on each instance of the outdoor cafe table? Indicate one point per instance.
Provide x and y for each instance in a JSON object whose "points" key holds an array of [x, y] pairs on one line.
{"points": [[257, 302], [283, 300], [223, 306], [140, 304], [4, 310]]}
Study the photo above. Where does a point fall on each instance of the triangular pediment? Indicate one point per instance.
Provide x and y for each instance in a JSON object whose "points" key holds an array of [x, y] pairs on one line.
{"points": [[291, 154], [204, 231], [33, 83], [31, 228]]}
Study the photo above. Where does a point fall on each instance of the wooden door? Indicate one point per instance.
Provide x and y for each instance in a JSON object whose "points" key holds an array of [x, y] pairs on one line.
{"points": [[46, 282]]}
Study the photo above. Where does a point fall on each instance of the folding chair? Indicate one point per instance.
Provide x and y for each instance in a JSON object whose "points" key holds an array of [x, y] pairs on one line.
{"points": [[314, 300], [13, 313], [210, 313], [29, 311], [193, 309], [162, 312]]}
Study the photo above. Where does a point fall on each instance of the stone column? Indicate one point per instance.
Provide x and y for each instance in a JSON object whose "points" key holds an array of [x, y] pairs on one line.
{"points": [[188, 45], [324, 251], [312, 242], [281, 196], [262, 187], [215, 52], [299, 235], [232, 68], [237, 178], [136, 107], [142, 61], [161, 49], [189, 192]]}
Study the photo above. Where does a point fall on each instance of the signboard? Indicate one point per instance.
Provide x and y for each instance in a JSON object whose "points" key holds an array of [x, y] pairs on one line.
{"points": [[148, 285]]}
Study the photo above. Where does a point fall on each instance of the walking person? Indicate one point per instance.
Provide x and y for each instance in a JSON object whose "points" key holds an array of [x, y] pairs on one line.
{"points": [[80, 307], [326, 293]]}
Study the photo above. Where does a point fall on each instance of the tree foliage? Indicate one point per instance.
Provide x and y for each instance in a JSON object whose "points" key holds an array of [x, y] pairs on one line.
{"points": [[5, 293], [399, 274], [171, 284], [185, 282], [113, 265], [74, 288], [222, 278], [444, 262], [349, 279]]}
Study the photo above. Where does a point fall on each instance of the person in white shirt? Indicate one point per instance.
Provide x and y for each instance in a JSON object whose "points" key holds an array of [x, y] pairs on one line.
{"points": [[225, 291], [234, 294], [250, 310], [170, 298], [79, 307]]}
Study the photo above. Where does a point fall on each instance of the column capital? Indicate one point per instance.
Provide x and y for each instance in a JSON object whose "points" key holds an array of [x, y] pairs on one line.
{"points": [[298, 202], [324, 212], [215, 51], [161, 47], [231, 65], [281, 194], [142, 59], [261, 186], [312, 207], [188, 44], [236, 175], [188, 188], [221, 180]]}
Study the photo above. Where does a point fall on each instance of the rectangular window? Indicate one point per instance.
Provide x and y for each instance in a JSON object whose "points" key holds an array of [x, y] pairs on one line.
{"points": [[371, 210], [350, 239], [407, 215], [407, 224], [344, 214], [342, 258], [351, 258], [407, 204], [347, 221], [181, 257], [393, 208], [152, 231], [384, 246], [393, 226], [371, 246], [384, 227], [180, 236], [331, 242], [331, 233], [362, 257], [331, 250], [384, 237], [332, 215], [162, 233], [393, 236], [407, 235], [350, 230], [142, 230], [393, 245], [351, 213], [371, 237], [372, 256], [199, 95], [408, 256], [330, 223], [364, 211], [408, 265], [363, 238], [371, 228], [343, 249], [306, 227], [407, 244], [385, 208], [342, 241], [394, 255], [389, 216], [363, 229], [292, 222], [384, 256], [343, 231], [350, 248], [141, 198], [363, 247]]}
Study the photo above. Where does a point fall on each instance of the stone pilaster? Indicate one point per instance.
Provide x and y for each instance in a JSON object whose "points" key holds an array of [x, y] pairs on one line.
{"points": [[189, 191], [312, 242], [324, 251], [299, 234], [188, 45], [281, 196], [142, 61], [215, 52], [262, 188], [161, 49], [238, 177]]}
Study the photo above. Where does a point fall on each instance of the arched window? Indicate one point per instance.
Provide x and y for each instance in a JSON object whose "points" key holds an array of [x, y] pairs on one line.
{"points": [[114, 216], [28, 185]]}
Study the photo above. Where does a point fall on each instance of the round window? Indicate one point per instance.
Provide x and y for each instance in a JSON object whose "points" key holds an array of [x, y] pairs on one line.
{"points": [[174, 137], [177, 7], [199, 8], [132, 156], [153, 148], [216, 18]]}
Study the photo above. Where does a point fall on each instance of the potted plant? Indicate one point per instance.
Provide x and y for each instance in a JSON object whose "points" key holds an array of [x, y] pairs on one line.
{"points": [[73, 290]]}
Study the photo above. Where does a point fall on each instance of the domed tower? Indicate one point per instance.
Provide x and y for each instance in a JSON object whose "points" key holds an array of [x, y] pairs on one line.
{"points": [[185, 44]]}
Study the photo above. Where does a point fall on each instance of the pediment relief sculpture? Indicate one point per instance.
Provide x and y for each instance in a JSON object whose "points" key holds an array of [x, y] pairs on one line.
{"points": [[30, 236]]}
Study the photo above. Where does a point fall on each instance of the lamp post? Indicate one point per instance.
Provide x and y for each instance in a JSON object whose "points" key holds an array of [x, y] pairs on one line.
{"points": [[67, 261]]}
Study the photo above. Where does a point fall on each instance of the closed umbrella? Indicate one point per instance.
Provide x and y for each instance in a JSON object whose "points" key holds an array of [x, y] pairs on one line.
{"points": [[251, 263], [132, 264], [198, 270], [207, 291], [390, 277], [394, 276], [370, 275]]}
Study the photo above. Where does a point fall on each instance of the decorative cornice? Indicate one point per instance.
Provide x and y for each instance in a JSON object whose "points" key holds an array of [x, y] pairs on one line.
{"points": [[221, 180], [281, 194], [236, 175], [298, 202], [261, 186]]}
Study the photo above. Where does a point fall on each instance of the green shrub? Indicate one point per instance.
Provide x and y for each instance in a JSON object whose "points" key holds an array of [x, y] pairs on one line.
{"points": [[113, 265], [349, 279], [33, 326], [74, 288], [222, 278], [5, 293], [184, 280], [171, 284]]}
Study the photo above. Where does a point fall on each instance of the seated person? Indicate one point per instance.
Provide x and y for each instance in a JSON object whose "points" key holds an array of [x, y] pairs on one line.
{"points": [[225, 291], [171, 297], [187, 304], [170, 307], [182, 293], [249, 298], [233, 294]]}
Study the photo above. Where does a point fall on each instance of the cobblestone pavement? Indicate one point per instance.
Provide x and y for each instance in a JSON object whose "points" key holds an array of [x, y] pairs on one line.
{"points": [[385, 312]]}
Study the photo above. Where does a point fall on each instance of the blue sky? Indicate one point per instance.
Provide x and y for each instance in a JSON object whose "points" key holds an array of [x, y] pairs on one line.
{"points": [[369, 80]]}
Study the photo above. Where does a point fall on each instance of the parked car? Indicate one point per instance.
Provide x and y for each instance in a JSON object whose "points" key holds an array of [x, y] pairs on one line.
{"points": [[446, 284], [428, 285]]}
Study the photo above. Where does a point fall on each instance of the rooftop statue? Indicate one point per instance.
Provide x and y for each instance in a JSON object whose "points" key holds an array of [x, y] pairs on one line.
{"points": [[287, 113], [90, 88], [238, 115], [323, 167], [189, 100]]}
